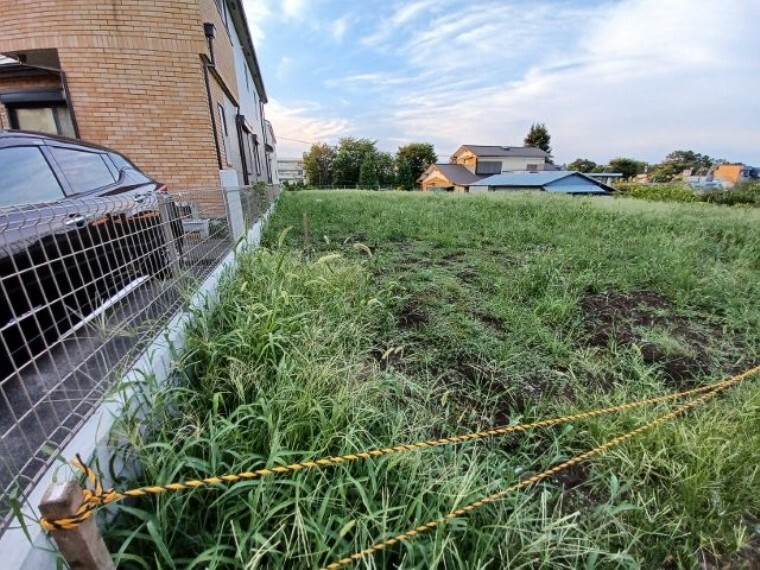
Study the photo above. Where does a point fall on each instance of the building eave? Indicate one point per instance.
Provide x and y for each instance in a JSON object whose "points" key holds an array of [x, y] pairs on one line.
{"points": [[240, 22]]}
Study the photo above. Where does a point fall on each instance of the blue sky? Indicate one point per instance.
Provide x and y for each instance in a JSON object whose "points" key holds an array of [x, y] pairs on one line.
{"points": [[609, 78]]}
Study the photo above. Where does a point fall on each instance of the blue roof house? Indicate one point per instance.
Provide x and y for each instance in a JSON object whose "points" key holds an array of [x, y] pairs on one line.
{"points": [[559, 182]]}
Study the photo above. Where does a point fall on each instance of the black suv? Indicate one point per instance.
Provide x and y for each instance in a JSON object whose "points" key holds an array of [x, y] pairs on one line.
{"points": [[80, 225]]}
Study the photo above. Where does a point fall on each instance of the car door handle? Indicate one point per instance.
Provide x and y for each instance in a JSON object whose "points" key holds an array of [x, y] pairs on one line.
{"points": [[139, 198], [75, 220]]}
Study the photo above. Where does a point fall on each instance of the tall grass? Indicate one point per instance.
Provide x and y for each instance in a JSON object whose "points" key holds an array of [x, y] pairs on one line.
{"points": [[418, 316]]}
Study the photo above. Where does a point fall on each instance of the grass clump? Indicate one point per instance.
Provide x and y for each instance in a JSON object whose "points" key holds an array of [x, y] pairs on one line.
{"points": [[417, 316]]}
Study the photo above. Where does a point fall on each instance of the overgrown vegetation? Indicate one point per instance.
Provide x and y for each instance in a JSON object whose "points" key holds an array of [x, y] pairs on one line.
{"points": [[414, 316], [744, 194]]}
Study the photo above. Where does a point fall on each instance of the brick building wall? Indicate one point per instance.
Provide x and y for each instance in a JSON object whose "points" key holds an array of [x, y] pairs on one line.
{"points": [[135, 76]]}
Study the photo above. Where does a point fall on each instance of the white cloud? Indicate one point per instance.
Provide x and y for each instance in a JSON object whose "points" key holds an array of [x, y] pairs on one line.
{"points": [[284, 67], [634, 77], [339, 28], [403, 13], [257, 12], [297, 127], [638, 77], [295, 9]]}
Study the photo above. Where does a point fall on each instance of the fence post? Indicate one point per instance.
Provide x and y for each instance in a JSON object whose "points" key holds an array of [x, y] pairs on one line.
{"points": [[235, 212], [166, 209], [82, 547]]}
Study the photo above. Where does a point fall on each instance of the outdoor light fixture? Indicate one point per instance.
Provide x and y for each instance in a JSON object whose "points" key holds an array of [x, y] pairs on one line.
{"points": [[210, 30]]}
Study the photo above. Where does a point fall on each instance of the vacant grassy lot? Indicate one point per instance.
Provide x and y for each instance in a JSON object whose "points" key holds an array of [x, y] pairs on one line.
{"points": [[406, 316]]}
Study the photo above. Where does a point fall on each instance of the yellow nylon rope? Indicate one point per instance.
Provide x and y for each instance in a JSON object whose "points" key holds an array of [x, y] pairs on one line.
{"points": [[94, 499]]}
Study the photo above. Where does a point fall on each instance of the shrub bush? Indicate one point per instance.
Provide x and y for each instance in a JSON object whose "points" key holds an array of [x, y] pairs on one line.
{"points": [[658, 192], [744, 193]]}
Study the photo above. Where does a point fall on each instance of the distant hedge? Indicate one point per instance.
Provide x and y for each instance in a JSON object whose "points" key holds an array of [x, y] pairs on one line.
{"points": [[747, 194]]}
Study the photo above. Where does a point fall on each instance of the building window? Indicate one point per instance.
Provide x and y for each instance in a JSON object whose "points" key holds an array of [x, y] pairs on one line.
{"points": [[225, 134], [256, 155], [248, 138], [220, 5], [51, 119]]}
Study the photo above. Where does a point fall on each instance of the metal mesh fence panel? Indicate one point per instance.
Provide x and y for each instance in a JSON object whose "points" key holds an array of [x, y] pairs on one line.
{"points": [[85, 287]]}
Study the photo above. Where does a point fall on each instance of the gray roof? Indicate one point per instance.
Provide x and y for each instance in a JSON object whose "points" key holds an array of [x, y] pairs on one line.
{"points": [[584, 184], [457, 174], [482, 150]]}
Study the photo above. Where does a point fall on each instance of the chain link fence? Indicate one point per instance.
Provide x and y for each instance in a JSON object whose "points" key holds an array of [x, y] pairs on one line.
{"points": [[85, 286]]}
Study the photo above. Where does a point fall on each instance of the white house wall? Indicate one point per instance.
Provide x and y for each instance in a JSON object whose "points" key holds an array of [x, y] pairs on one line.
{"points": [[250, 104], [517, 163]]}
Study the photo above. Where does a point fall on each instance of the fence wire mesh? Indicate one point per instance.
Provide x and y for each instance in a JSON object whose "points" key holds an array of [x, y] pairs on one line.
{"points": [[85, 286]]}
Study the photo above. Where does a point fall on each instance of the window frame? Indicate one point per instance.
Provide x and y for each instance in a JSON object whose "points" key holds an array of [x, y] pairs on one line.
{"points": [[221, 6], [55, 106], [256, 156], [226, 141]]}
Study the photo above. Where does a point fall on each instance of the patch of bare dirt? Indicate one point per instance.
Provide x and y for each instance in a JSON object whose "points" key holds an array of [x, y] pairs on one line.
{"points": [[468, 275], [620, 318], [491, 322], [411, 316], [386, 359], [572, 477], [453, 258]]}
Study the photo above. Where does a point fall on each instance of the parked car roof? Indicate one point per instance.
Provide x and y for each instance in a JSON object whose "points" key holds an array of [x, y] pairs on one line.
{"points": [[20, 135]]}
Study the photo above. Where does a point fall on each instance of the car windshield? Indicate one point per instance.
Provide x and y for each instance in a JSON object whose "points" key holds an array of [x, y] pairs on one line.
{"points": [[26, 177]]}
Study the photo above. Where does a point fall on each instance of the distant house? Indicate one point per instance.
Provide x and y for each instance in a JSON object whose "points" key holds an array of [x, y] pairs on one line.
{"points": [[448, 177], [560, 182], [731, 174], [471, 163], [607, 177], [291, 170]]}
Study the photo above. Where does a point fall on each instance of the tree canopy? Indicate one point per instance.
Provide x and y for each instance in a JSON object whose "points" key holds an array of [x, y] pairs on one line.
{"points": [[358, 162], [582, 165], [318, 164], [628, 167], [538, 136], [368, 177], [418, 156], [679, 161], [349, 157]]}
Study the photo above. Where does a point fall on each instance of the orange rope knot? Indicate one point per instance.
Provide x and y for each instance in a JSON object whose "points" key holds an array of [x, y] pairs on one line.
{"points": [[93, 498]]}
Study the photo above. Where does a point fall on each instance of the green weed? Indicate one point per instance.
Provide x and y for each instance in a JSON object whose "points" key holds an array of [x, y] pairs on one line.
{"points": [[454, 313]]}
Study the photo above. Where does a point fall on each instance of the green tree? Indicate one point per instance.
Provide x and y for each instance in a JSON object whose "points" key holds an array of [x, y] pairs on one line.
{"points": [[385, 169], [628, 167], [349, 157], [368, 177], [318, 164], [539, 137], [404, 177], [582, 165], [680, 160], [418, 157]]}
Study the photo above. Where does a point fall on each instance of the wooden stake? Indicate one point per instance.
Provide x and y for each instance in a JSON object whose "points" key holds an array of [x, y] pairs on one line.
{"points": [[306, 241], [82, 547]]}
